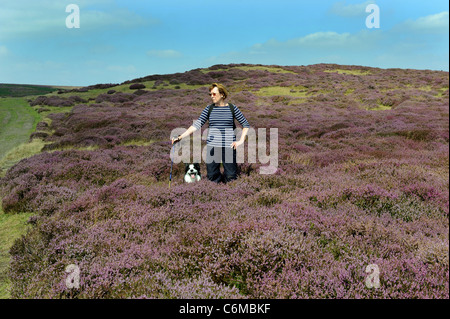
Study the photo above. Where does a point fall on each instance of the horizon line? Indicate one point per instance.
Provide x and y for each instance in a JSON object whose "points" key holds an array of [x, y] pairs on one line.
{"points": [[228, 64]]}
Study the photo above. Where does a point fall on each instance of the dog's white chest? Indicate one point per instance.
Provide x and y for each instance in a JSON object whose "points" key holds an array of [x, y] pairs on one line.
{"points": [[192, 173]]}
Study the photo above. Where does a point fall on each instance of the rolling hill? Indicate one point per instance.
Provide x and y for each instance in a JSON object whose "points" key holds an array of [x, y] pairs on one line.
{"points": [[362, 179], [21, 90]]}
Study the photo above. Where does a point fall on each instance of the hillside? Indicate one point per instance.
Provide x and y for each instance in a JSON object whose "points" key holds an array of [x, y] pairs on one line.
{"points": [[362, 178], [20, 90]]}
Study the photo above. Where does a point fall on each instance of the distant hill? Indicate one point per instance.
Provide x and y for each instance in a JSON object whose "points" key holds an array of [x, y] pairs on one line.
{"points": [[20, 90]]}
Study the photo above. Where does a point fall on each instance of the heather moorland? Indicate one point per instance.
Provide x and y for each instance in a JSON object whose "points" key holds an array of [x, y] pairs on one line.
{"points": [[362, 179]]}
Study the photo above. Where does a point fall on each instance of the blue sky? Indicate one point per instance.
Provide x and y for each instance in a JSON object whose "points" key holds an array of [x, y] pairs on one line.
{"points": [[122, 40]]}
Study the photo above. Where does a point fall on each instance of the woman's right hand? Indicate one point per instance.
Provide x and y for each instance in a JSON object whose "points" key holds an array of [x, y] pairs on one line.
{"points": [[176, 139]]}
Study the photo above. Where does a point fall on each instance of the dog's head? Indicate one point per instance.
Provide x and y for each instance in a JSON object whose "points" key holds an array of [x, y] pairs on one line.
{"points": [[192, 171]]}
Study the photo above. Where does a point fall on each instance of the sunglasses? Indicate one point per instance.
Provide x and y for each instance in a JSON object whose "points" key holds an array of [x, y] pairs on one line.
{"points": [[212, 94]]}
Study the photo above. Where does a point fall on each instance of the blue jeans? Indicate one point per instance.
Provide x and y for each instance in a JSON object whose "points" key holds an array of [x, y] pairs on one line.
{"points": [[224, 155]]}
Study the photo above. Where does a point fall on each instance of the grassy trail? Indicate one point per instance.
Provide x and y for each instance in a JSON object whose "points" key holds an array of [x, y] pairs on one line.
{"points": [[11, 228], [17, 122]]}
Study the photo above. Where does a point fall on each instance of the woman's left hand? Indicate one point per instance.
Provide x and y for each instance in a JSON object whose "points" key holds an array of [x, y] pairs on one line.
{"points": [[235, 144]]}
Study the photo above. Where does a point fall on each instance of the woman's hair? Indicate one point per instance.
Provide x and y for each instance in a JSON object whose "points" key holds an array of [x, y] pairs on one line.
{"points": [[222, 89]]}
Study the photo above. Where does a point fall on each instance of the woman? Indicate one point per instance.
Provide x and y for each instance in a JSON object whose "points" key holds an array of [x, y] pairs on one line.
{"points": [[221, 142]]}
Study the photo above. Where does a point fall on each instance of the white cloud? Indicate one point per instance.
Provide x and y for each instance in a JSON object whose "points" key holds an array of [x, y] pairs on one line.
{"points": [[169, 54], [350, 10], [3, 50], [406, 45], [322, 41], [432, 24], [119, 17], [38, 66], [46, 18], [325, 40]]}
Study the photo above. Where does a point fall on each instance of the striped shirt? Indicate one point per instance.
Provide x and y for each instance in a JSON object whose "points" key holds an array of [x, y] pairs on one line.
{"points": [[221, 133]]}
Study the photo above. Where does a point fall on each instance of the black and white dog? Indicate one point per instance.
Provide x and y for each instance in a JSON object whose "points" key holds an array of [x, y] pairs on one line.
{"points": [[192, 173]]}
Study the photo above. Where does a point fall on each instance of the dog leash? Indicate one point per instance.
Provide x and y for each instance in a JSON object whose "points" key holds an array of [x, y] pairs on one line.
{"points": [[171, 166]]}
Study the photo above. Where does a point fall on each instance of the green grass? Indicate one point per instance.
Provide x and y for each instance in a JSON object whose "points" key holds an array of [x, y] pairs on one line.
{"points": [[349, 91], [85, 95], [14, 139], [17, 121], [248, 68], [137, 142], [441, 91], [294, 91], [381, 107], [20, 152], [352, 72], [38, 144], [166, 85], [11, 228], [50, 109], [125, 88]]}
